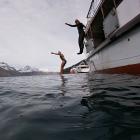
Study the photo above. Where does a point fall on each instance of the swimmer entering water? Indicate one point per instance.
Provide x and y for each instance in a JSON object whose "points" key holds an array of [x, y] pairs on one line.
{"points": [[63, 61]]}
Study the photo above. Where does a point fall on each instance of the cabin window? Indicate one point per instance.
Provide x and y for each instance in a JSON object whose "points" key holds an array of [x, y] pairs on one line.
{"points": [[96, 30]]}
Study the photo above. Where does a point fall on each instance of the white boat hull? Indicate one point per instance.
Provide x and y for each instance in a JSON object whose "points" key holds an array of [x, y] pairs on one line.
{"points": [[123, 53]]}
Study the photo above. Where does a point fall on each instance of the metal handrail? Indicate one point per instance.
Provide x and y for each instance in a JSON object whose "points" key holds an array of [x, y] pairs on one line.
{"points": [[93, 8]]}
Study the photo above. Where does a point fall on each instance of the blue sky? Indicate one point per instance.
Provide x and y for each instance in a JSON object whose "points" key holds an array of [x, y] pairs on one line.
{"points": [[31, 29]]}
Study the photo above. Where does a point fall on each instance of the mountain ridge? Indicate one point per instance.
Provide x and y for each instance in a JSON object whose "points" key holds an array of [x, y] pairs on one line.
{"points": [[7, 70]]}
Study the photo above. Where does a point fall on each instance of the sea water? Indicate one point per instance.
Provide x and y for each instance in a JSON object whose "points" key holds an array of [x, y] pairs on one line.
{"points": [[70, 107]]}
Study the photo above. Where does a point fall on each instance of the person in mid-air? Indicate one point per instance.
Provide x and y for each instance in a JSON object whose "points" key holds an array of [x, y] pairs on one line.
{"points": [[63, 61], [80, 26]]}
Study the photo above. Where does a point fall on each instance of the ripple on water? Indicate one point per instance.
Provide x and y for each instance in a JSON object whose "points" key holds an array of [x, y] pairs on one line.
{"points": [[70, 107]]}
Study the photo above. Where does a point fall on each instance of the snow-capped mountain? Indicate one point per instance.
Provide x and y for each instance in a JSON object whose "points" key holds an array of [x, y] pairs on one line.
{"points": [[7, 70], [5, 66], [27, 69]]}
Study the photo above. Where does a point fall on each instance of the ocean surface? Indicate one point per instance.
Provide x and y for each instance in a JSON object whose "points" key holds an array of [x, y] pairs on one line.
{"points": [[70, 107]]}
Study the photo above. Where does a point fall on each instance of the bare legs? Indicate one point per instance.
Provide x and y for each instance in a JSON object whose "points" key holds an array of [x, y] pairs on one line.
{"points": [[62, 67]]}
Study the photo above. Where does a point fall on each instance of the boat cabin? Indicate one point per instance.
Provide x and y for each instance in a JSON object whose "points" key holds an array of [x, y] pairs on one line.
{"points": [[105, 17]]}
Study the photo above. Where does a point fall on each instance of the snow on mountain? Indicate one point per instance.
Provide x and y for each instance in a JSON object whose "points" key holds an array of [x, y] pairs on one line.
{"points": [[7, 70], [28, 69], [5, 66]]}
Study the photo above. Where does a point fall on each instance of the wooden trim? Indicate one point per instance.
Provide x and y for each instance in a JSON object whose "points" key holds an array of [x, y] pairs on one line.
{"points": [[128, 69]]}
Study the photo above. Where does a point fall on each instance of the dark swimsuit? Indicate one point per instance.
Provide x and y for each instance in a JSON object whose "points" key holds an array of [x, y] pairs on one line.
{"points": [[81, 32]]}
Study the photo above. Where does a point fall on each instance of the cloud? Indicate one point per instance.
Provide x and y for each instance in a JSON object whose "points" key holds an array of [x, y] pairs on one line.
{"points": [[31, 29]]}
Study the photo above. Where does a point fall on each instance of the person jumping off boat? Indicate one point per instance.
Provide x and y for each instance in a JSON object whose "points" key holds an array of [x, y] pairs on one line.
{"points": [[81, 32], [63, 61]]}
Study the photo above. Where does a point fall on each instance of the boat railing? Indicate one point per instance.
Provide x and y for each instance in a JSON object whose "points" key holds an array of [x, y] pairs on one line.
{"points": [[95, 4], [94, 7]]}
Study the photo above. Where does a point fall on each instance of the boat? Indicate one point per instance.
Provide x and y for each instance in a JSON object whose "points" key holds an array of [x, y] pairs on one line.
{"points": [[82, 68], [113, 36]]}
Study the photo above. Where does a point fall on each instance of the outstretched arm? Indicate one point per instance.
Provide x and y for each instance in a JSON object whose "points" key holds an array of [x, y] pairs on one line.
{"points": [[71, 25], [54, 53]]}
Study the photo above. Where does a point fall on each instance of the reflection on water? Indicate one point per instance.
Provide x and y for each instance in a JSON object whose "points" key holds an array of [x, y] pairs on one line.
{"points": [[116, 98], [70, 107], [63, 84]]}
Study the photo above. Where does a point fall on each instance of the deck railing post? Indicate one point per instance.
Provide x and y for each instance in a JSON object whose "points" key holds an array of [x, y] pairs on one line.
{"points": [[102, 12], [114, 3]]}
